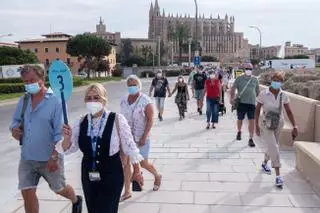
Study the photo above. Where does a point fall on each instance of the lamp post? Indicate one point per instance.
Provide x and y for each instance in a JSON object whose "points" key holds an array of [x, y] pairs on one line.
{"points": [[260, 35], [190, 41], [196, 4]]}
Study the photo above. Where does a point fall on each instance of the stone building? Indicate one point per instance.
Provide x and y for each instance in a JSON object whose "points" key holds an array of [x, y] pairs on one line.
{"points": [[295, 49], [216, 36], [266, 52]]}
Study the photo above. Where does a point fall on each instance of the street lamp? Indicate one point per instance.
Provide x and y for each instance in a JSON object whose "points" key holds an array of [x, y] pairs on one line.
{"points": [[190, 41], [260, 34]]}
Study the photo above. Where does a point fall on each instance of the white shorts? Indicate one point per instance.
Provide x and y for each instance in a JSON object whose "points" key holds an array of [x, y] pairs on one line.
{"points": [[159, 102]]}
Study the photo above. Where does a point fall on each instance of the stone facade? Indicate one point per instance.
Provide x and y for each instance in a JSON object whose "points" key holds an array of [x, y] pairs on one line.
{"points": [[217, 36], [266, 52], [295, 49]]}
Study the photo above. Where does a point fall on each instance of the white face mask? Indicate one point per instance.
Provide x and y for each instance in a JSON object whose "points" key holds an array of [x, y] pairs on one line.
{"points": [[212, 76], [94, 107], [180, 80], [248, 72], [159, 75]]}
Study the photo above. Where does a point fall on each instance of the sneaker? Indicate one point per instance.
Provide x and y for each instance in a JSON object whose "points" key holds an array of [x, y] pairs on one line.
{"points": [[266, 168], [251, 143], [239, 136], [160, 118], [77, 207], [200, 112], [198, 109], [279, 182]]}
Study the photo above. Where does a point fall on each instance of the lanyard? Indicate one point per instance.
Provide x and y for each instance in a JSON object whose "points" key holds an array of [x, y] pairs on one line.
{"points": [[94, 140]]}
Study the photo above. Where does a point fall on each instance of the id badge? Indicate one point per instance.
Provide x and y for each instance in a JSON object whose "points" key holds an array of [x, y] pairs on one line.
{"points": [[94, 176]]}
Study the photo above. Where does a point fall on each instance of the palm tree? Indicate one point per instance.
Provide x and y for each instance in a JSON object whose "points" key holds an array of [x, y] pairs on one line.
{"points": [[181, 35]]}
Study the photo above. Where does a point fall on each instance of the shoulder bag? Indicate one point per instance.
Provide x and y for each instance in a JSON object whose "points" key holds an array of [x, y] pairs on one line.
{"points": [[272, 119]]}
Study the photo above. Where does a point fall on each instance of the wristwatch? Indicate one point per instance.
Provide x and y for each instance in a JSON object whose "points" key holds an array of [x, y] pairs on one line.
{"points": [[54, 157]]}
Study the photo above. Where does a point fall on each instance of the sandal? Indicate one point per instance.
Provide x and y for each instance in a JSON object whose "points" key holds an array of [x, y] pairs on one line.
{"points": [[157, 183], [125, 197], [208, 126]]}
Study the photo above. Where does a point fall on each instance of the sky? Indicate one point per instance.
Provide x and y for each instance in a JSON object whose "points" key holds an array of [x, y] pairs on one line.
{"points": [[279, 20]]}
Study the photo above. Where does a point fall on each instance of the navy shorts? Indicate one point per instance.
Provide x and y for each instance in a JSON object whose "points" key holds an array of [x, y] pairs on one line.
{"points": [[246, 109]]}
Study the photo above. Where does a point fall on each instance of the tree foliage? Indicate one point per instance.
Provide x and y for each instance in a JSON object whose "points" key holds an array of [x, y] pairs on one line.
{"points": [[89, 47], [127, 49], [209, 59], [16, 56], [135, 59]]}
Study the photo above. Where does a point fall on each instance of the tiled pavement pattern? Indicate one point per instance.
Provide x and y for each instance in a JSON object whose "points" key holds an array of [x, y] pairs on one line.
{"points": [[203, 171]]}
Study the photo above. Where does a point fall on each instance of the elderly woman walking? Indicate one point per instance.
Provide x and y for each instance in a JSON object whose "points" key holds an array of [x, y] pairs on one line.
{"points": [[138, 110], [272, 101], [100, 135], [182, 96]]}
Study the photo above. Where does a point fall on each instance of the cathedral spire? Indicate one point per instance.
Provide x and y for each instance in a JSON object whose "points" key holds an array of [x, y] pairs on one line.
{"points": [[156, 5], [151, 7], [163, 13], [218, 16], [226, 18], [100, 22]]}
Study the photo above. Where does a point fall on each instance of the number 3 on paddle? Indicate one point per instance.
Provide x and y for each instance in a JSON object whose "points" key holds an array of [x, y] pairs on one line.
{"points": [[60, 78]]}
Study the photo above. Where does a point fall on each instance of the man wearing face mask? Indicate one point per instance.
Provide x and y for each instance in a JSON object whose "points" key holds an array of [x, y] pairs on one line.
{"points": [[247, 87], [37, 124], [199, 80], [160, 85]]}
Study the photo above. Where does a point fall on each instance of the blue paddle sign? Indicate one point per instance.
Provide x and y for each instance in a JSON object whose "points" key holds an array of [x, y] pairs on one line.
{"points": [[61, 83]]}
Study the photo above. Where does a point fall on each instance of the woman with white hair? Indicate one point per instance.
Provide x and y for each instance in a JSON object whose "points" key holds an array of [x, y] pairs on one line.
{"points": [[138, 110], [100, 135]]}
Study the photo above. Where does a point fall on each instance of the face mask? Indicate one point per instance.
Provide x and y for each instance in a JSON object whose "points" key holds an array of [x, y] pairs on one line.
{"points": [[212, 76], [32, 88], [94, 107], [132, 90], [180, 80], [248, 72], [159, 75], [276, 85]]}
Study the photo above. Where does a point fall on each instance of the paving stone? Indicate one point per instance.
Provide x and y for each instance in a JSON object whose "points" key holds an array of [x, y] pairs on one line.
{"points": [[265, 199], [184, 208], [305, 200], [229, 177], [217, 198]]}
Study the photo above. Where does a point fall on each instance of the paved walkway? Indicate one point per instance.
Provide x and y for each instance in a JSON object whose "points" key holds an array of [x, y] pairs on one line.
{"points": [[204, 171]]}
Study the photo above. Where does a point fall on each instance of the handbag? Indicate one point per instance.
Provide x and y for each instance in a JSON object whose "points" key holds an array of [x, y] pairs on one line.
{"points": [[272, 119], [238, 98]]}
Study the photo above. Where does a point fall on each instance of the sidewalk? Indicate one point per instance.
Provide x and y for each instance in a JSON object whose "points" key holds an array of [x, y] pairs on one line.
{"points": [[203, 171]]}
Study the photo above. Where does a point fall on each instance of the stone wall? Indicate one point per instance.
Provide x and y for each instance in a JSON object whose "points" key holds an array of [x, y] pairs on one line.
{"points": [[305, 83]]}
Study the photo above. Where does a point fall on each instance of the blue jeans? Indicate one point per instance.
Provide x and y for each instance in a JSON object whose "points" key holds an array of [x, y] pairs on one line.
{"points": [[212, 110]]}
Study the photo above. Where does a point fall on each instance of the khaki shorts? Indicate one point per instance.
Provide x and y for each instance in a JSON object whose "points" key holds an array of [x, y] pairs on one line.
{"points": [[30, 173]]}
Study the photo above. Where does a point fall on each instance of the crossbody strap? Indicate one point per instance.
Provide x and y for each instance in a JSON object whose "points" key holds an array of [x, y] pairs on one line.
{"points": [[280, 107], [23, 110], [118, 130], [245, 87]]}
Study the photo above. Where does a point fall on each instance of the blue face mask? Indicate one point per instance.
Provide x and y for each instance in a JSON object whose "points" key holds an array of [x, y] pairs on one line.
{"points": [[276, 85], [32, 88], [132, 90]]}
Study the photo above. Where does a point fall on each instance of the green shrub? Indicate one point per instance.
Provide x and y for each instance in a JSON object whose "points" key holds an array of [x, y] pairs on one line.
{"points": [[78, 82], [11, 88], [10, 80]]}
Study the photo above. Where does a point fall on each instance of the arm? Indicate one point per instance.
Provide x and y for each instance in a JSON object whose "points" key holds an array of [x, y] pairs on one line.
{"points": [[292, 120], [149, 116], [151, 87], [175, 89], [168, 88], [187, 91], [220, 91], [257, 117], [70, 143], [233, 90], [14, 127], [258, 88]]}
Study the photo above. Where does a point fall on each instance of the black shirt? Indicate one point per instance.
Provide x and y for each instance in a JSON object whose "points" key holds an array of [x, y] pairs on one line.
{"points": [[160, 86], [199, 80]]}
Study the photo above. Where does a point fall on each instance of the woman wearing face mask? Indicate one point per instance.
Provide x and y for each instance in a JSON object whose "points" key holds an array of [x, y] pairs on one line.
{"points": [[273, 100], [182, 96], [213, 89], [138, 110], [99, 135]]}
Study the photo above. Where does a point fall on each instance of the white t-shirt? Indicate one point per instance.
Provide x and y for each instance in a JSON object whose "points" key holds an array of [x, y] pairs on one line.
{"points": [[270, 102], [135, 114]]}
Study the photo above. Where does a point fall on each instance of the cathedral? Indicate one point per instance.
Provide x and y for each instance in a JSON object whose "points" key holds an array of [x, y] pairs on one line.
{"points": [[216, 36]]}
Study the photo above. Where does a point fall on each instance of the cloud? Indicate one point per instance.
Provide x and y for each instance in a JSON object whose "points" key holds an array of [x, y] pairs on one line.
{"points": [[279, 20]]}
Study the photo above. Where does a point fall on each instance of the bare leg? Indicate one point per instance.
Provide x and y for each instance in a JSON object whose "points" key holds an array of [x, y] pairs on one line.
{"points": [[239, 125], [251, 128], [277, 169], [31, 203], [68, 193], [149, 167], [127, 177]]}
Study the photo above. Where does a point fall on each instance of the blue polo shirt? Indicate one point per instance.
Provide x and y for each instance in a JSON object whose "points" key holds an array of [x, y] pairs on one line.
{"points": [[42, 127]]}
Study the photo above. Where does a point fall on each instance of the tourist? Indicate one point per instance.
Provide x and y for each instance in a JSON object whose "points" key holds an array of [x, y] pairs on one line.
{"points": [[101, 135], [272, 101], [199, 80], [182, 96], [138, 110], [213, 89], [37, 124], [245, 101], [160, 85]]}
